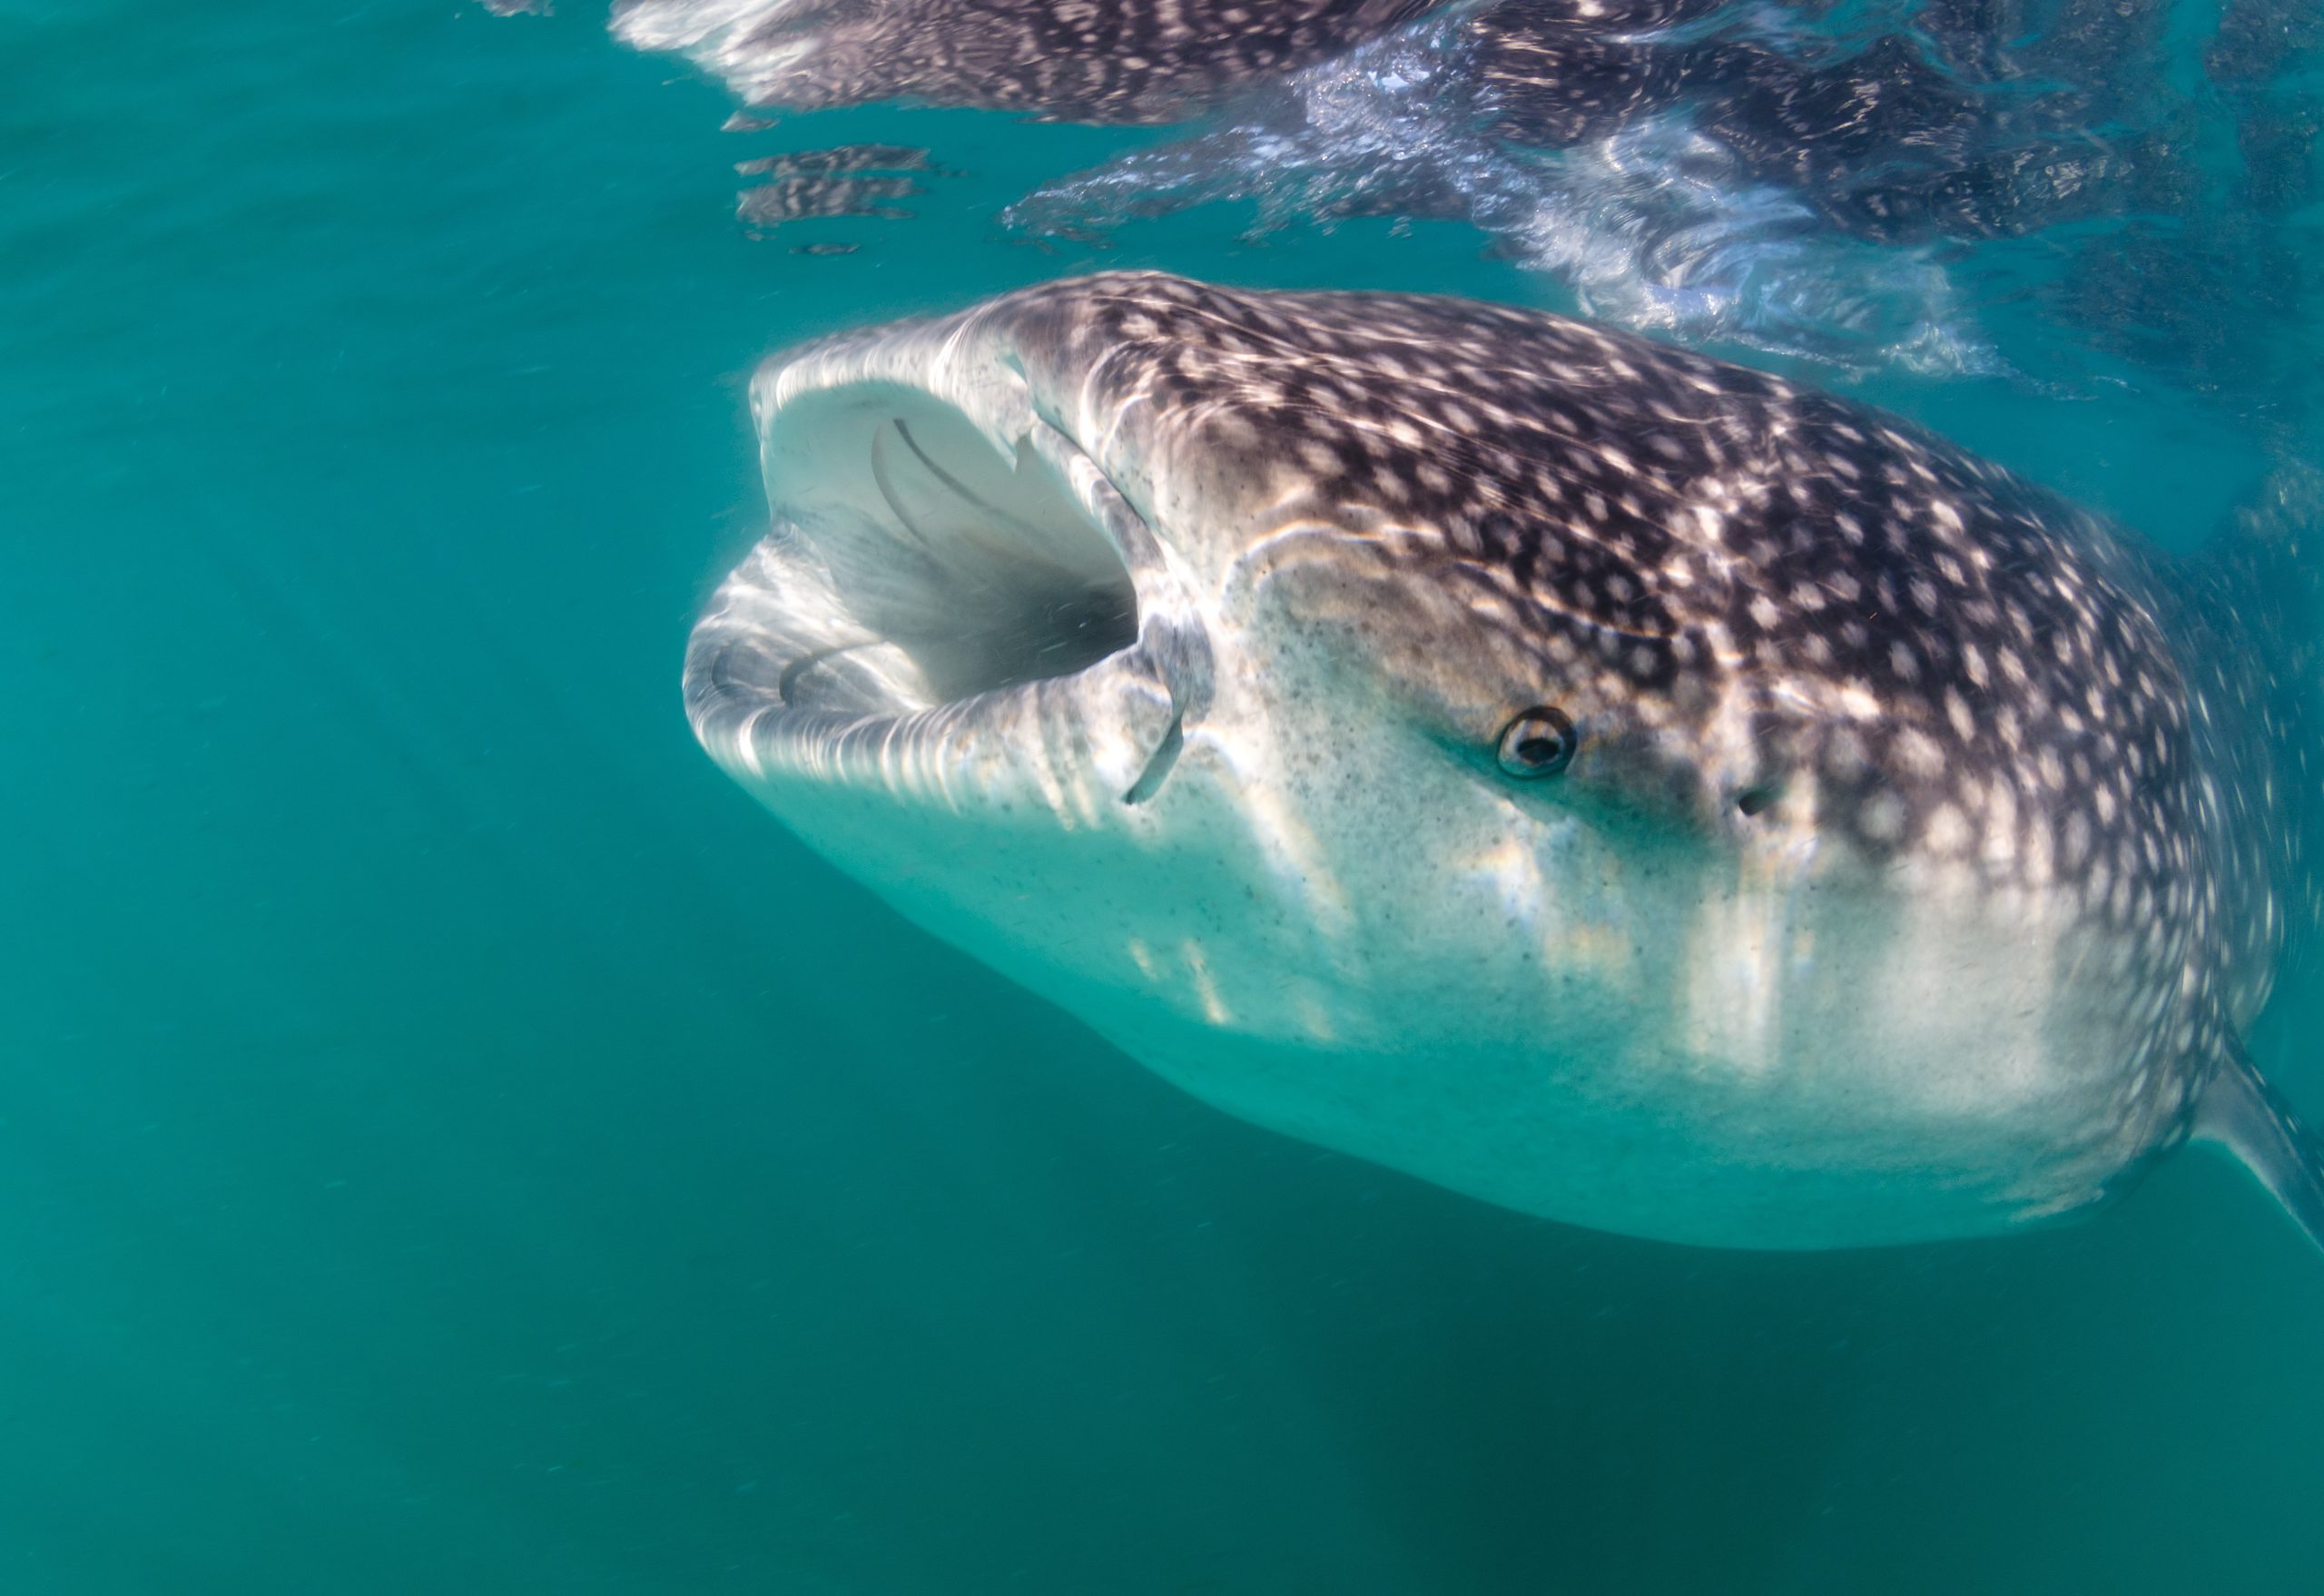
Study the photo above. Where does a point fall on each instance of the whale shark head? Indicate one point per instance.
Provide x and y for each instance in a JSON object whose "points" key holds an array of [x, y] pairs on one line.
{"points": [[1590, 776]]}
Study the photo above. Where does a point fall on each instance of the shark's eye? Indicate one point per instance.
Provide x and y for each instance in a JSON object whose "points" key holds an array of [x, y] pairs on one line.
{"points": [[1539, 743]]}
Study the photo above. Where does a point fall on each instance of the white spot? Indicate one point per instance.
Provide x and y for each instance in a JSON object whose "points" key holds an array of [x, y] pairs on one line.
{"points": [[1947, 831]]}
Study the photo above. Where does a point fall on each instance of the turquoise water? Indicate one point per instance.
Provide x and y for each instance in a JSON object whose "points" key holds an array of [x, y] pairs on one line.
{"points": [[451, 1140]]}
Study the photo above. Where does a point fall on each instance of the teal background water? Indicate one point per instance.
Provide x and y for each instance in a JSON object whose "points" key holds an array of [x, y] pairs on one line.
{"points": [[449, 1141]]}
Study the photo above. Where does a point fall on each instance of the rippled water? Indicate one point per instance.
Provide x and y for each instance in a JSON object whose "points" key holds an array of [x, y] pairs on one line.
{"points": [[454, 1141]]}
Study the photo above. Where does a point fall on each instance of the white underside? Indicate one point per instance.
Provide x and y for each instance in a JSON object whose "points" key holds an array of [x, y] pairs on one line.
{"points": [[1425, 973]]}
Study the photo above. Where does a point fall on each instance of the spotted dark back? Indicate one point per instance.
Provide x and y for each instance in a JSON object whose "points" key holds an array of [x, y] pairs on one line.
{"points": [[1978, 677]]}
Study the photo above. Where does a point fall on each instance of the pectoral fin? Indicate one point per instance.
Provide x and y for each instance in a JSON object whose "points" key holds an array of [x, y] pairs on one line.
{"points": [[2242, 1113]]}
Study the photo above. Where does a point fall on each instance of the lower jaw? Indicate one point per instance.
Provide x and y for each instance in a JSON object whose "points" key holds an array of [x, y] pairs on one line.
{"points": [[1068, 748]]}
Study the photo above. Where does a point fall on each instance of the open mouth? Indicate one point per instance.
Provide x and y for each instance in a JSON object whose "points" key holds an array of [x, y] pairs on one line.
{"points": [[928, 587], [962, 572]]}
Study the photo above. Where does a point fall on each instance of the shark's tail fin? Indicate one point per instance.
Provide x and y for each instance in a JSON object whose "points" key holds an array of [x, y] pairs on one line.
{"points": [[2248, 1117]]}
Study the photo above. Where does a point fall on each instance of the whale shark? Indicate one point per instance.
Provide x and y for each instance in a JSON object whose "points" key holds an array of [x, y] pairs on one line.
{"points": [[1616, 785]]}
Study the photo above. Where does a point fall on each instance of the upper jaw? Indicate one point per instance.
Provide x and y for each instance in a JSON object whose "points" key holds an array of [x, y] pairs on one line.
{"points": [[955, 602]]}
